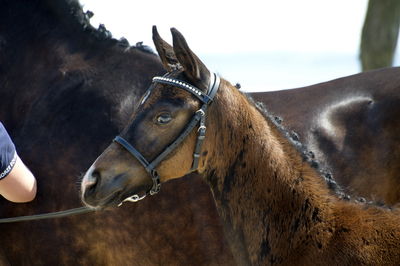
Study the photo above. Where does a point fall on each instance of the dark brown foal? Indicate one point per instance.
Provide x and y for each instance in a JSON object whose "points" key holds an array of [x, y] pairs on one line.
{"points": [[276, 208]]}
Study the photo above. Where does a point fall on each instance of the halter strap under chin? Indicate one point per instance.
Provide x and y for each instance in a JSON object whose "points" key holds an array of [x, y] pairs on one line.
{"points": [[198, 118]]}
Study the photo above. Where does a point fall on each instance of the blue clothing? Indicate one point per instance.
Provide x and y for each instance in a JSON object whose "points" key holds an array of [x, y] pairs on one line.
{"points": [[8, 155]]}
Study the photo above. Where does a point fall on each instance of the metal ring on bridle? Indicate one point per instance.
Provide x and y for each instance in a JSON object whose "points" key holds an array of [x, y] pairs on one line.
{"points": [[200, 111], [201, 127]]}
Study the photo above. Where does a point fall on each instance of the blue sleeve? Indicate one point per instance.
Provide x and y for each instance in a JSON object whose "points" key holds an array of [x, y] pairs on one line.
{"points": [[8, 155]]}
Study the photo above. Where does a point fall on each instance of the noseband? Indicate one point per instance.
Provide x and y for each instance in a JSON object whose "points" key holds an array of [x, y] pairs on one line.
{"points": [[198, 118]]}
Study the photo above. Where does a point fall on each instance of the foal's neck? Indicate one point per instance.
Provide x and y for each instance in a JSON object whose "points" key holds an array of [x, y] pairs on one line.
{"points": [[266, 195]]}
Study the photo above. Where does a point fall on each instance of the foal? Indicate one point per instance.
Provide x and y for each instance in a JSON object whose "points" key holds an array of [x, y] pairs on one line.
{"points": [[275, 207]]}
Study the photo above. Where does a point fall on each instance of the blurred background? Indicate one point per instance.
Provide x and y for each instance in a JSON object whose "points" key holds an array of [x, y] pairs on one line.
{"points": [[266, 45]]}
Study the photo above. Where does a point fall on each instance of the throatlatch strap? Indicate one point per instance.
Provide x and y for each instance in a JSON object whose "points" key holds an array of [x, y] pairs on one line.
{"points": [[201, 132]]}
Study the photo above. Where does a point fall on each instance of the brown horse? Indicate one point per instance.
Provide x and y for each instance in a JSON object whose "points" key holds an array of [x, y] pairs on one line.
{"points": [[67, 89], [276, 209], [351, 126]]}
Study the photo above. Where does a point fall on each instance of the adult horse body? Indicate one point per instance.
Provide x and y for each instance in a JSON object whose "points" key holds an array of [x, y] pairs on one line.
{"points": [[351, 125], [254, 171], [67, 90]]}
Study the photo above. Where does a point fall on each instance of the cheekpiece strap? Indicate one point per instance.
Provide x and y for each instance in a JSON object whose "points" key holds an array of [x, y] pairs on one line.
{"points": [[201, 135]]}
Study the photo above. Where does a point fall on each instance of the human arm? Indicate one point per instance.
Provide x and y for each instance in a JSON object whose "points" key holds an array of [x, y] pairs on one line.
{"points": [[17, 183]]}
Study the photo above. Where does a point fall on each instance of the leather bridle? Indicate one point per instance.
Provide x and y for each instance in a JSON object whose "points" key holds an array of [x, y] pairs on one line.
{"points": [[198, 118]]}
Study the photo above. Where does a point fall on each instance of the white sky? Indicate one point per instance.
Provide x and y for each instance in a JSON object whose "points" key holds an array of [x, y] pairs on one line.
{"points": [[231, 26], [263, 44]]}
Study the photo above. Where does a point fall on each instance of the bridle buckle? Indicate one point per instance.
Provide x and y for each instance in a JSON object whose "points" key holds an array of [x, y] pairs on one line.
{"points": [[201, 111], [202, 129]]}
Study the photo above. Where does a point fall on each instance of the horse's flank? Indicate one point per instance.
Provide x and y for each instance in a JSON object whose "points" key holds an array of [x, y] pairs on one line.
{"points": [[350, 126]]}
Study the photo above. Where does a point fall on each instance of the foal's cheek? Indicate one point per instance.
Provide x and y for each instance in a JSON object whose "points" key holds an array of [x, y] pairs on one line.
{"points": [[179, 164]]}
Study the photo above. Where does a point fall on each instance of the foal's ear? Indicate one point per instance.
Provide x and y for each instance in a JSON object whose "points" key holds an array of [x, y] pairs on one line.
{"points": [[194, 69], [166, 52]]}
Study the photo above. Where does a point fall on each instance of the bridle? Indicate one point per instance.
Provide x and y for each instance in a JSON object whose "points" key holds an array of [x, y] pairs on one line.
{"points": [[198, 118]]}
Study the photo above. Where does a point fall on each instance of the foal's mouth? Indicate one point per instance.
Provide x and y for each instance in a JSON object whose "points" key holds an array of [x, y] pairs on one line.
{"points": [[113, 194], [111, 200], [116, 198]]}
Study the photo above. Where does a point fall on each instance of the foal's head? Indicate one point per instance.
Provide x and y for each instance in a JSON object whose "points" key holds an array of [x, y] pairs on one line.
{"points": [[122, 172]]}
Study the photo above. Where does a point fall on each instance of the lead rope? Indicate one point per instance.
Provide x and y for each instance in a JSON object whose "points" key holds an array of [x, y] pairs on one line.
{"points": [[49, 215]]}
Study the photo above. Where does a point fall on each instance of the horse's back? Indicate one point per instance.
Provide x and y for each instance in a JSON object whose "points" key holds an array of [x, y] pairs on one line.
{"points": [[351, 125]]}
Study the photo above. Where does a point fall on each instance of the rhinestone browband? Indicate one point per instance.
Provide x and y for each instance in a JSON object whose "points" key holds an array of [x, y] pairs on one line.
{"points": [[181, 84]]}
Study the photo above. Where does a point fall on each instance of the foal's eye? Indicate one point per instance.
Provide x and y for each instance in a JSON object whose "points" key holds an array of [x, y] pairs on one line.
{"points": [[164, 118]]}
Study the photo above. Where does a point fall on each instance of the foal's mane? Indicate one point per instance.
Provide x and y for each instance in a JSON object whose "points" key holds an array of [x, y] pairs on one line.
{"points": [[307, 154]]}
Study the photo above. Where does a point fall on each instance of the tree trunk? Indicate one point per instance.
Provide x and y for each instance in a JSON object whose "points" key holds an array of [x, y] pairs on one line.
{"points": [[379, 34]]}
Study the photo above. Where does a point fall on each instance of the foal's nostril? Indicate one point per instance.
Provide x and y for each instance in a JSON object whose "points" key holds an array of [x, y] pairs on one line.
{"points": [[92, 180]]}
